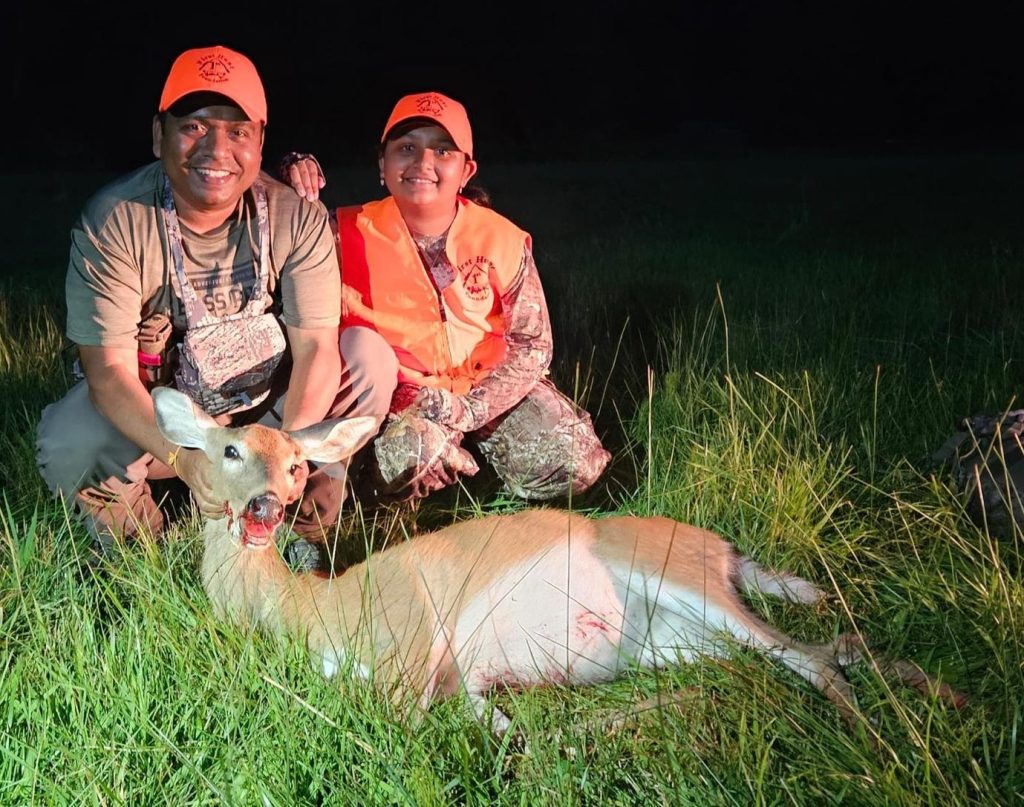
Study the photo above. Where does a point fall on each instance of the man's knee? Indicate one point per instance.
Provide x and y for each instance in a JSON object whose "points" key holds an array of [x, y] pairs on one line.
{"points": [[371, 368], [76, 446]]}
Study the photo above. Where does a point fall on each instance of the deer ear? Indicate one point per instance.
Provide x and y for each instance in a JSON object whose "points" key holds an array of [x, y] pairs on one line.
{"points": [[179, 420], [335, 440]]}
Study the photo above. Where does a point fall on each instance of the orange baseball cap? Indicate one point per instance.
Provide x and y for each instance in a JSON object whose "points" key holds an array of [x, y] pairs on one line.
{"points": [[218, 70], [447, 112]]}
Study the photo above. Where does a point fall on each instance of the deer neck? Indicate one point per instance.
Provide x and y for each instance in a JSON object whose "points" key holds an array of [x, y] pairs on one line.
{"points": [[243, 584], [257, 587]]}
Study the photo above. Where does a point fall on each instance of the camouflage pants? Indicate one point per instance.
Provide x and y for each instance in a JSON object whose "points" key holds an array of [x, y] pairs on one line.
{"points": [[106, 478], [542, 448]]}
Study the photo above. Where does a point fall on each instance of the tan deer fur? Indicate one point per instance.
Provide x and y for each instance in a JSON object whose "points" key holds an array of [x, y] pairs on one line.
{"points": [[517, 600]]}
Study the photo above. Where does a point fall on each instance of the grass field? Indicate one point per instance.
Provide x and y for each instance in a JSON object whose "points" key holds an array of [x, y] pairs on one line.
{"points": [[772, 346]]}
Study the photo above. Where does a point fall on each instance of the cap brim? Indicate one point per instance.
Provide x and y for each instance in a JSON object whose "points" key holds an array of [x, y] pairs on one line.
{"points": [[405, 125], [399, 128], [192, 101]]}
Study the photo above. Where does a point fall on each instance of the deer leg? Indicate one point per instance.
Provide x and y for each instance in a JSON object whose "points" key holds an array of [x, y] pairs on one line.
{"points": [[816, 664], [851, 649], [489, 716]]}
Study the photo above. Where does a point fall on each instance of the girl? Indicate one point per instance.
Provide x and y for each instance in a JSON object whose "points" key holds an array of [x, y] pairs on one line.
{"points": [[452, 287]]}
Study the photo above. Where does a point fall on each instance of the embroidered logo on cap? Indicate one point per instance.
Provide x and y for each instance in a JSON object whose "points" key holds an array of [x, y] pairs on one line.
{"points": [[215, 68], [474, 274], [431, 104]]}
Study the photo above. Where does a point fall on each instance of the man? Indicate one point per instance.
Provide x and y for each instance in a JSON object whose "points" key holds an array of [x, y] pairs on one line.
{"points": [[180, 274]]}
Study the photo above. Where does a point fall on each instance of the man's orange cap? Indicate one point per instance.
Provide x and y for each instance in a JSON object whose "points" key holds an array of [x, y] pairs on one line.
{"points": [[220, 70], [448, 113]]}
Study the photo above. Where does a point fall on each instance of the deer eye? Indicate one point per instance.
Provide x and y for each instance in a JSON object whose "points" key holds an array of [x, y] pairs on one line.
{"points": [[294, 469], [231, 453]]}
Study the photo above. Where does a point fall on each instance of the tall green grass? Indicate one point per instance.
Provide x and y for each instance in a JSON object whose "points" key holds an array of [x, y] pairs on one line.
{"points": [[773, 347]]}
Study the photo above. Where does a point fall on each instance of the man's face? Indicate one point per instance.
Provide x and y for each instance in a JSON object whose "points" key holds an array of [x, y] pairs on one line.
{"points": [[211, 157]]}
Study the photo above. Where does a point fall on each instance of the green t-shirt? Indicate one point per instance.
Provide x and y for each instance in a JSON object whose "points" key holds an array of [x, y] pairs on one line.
{"points": [[120, 267]]}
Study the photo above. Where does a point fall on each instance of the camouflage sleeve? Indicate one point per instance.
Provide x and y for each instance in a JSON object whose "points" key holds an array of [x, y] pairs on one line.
{"points": [[528, 335]]}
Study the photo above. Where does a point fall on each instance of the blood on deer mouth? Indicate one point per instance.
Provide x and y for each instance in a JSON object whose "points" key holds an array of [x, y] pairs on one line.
{"points": [[260, 520], [257, 534]]}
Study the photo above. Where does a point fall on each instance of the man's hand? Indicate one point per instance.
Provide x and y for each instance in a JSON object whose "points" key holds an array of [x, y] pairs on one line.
{"points": [[193, 468]]}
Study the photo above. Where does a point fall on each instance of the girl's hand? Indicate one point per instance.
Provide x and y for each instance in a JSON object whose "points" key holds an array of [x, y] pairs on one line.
{"points": [[302, 172], [441, 406]]}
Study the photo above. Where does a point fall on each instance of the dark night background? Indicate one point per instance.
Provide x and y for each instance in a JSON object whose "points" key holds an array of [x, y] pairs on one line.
{"points": [[603, 81]]}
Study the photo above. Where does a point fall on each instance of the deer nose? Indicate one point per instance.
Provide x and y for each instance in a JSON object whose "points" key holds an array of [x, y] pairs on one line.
{"points": [[266, 509]]}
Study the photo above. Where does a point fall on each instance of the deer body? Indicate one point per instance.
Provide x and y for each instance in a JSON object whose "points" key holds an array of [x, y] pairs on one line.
{"points": [[519, 600], [503, 601]]}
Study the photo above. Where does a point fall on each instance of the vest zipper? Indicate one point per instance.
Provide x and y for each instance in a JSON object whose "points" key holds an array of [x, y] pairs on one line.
{"points": [[440, 310]]}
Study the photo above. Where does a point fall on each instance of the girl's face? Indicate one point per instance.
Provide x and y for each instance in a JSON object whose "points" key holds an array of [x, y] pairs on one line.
{"points": [[423, 169]]}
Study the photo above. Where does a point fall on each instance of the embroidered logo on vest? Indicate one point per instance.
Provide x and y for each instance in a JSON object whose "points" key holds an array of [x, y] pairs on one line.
{"points": [[475, 274]]}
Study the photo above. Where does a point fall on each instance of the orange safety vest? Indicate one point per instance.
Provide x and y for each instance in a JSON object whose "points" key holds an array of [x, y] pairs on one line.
{"points": [[444, 339]]}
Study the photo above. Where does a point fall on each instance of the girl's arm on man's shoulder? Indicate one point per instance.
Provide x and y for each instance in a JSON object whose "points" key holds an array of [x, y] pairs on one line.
{"points": [[303, 172]]}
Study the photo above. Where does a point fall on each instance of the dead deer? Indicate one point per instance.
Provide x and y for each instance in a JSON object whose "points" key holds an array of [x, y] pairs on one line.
{"points": [[541, 596]]}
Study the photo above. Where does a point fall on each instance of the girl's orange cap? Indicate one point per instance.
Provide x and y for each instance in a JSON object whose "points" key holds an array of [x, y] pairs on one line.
{"points": [[449, 114], [220, 70]]}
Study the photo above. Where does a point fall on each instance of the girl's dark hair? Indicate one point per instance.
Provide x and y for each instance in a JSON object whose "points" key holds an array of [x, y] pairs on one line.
{"points": [[478, 194]]}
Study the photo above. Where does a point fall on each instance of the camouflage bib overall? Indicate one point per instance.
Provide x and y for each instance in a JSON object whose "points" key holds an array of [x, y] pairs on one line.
{"points": [[226, 364]]}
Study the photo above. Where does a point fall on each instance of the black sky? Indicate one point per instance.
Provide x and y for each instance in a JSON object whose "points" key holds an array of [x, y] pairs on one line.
{"points": [[605, 80]]}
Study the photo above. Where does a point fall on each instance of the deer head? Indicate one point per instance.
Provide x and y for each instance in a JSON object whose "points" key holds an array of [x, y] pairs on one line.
{"points": [[256, 470]]}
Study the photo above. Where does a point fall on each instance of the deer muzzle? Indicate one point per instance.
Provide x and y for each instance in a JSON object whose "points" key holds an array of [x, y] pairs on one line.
{"points": [[262, 516]]}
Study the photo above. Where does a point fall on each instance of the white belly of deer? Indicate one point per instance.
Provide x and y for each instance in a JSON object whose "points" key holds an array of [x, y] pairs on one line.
{"points": [[545, 620], [549, 621]]}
